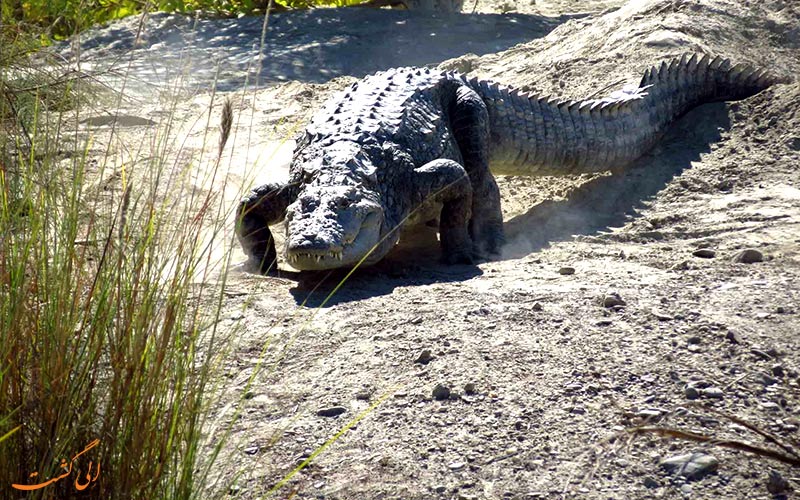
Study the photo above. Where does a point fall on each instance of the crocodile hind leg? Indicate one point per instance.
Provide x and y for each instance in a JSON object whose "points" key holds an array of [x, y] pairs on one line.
{"points": [[469, 122], [446, 182], [264, 205]]}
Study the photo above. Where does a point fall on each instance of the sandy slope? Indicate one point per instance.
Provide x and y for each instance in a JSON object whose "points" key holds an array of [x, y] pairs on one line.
{"points": [[544, 380]]}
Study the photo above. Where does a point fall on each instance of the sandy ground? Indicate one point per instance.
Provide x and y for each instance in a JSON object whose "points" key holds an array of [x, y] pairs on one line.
{"points": [[544, 380]]}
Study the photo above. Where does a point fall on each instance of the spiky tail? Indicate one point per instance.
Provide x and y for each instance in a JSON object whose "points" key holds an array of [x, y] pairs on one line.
{"points": [[532, 135]]}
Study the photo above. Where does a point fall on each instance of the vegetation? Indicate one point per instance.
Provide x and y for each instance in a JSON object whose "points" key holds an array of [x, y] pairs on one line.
{"points": [[62, 18], [109, 346], [107, 342]]}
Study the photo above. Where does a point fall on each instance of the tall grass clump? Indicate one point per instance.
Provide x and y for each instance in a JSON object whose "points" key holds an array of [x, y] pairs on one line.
{"points": [[107, 341]]}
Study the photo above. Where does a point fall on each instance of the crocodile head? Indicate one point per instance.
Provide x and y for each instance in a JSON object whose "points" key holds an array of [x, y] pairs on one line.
{"points": [[338, 217], [333, 226]]}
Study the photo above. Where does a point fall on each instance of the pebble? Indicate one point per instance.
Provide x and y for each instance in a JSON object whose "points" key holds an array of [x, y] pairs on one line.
{"points": [[692, 466], [469, 389], [705, 253], [456, 465], [613, 300], [650, 482], [333, 411], [694, 339], [777, 370], [691, 393], [748, 256], [776, 484], [661, 316], [536, 307], [713, 393], [440, 489], [424, 357], [566, 271], [363, 395], [441, 392], [733, 337], [251, 450], [767, 380]]}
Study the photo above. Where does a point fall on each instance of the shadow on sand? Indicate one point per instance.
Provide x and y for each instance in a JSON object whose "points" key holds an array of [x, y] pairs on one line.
{"points": [[611, 201], [311, 46]]}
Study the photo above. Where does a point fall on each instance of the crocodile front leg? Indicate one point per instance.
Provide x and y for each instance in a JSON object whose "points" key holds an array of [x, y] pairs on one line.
{"points": [[446, 182], [264, 205], [469, 122]]}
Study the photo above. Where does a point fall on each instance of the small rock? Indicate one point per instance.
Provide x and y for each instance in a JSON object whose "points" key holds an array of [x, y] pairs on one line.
{"points": [[713, 393], [416, 320], [649, 414], [469, 389], [651, 482], [363, 395], [694, 339], [691, 393], [536, 306], [692, 466], [661, 316], [748, 256], [424, 357], [733, 337], [441, 392], [683, 265], [566, 271], [613, 300], [771, 406], [251, 450], [578, 410], [333, 411], [705, 253], [767, 380], [694, 348], [440, 489], [456, 465], [777, 370], [776, 484]]}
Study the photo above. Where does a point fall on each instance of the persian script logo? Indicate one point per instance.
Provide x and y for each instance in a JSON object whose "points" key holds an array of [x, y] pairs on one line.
{"points": [[68, 468]]}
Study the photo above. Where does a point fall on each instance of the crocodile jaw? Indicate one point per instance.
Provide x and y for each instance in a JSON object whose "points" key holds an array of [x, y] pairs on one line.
{"points": [[349, 252]]}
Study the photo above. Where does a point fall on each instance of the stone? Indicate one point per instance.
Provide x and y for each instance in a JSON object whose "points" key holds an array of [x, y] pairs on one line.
{"points": [[705, 253], [777, 484], [713, 393], [733, 337], [651, 482], [441, 392], [692, 466], [566, 271], [691, 393], [424, 357], [749, 256], [613, 300], [332, 411]]}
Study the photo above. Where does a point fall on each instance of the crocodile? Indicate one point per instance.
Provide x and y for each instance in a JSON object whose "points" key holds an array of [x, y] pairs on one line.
{"points": [[406, 145]]}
